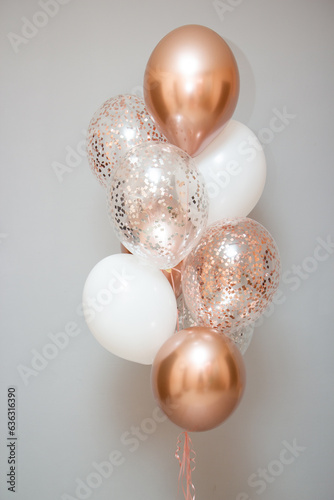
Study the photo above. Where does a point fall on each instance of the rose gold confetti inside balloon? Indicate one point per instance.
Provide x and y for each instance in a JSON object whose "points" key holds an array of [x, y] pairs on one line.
{"points": [[232, 274], [174, 277], [158, 203], [242, 337], [198, 378], [121, 123]]}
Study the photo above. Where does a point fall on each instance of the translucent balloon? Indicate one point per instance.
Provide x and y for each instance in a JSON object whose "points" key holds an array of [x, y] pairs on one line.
{"points": [[121, 123], [158, 203], [184, 318], [231, 276], [242, 338], [129, 307]]}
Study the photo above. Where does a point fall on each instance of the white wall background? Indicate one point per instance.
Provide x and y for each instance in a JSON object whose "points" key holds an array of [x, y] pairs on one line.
{"points": [[73, 412]]}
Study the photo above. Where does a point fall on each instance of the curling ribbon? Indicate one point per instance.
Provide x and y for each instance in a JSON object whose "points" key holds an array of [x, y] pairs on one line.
{"points": [[174, 290], [177, 322], [187, 465]]}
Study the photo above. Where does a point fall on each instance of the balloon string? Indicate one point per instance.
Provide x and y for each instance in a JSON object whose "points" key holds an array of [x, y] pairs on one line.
{"points": [[173, 286], [187, 465], [172, 279]]}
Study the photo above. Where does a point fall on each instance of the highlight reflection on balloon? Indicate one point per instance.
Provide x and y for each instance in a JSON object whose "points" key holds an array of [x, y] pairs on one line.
{"points": [[232, 275], [158, 203], [191, 86], [198, 378]]}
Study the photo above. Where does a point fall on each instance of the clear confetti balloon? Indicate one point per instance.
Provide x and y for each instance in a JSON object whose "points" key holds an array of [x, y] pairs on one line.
{"points": [[184, 318], [232, 274], [121, 123], [242, 338], [158, 203]]}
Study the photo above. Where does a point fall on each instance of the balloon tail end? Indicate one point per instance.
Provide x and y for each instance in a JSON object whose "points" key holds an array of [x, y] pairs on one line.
{"points": [[187, 465]]}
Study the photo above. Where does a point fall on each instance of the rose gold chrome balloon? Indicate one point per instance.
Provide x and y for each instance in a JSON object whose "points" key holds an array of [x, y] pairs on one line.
{"points": [[198, 378], [191, 86]]}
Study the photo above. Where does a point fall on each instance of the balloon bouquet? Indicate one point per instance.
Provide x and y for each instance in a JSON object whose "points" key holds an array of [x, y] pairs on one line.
{"points": [[194, 272]]}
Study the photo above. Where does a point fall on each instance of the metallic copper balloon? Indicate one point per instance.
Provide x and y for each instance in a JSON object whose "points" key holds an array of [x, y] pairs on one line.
{"points": [[173, 275], [191, 86], [198, 378]]}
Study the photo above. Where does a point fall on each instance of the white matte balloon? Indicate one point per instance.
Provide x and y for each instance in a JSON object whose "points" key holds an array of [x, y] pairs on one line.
{"points": [[129, 307], [234, 168]]}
